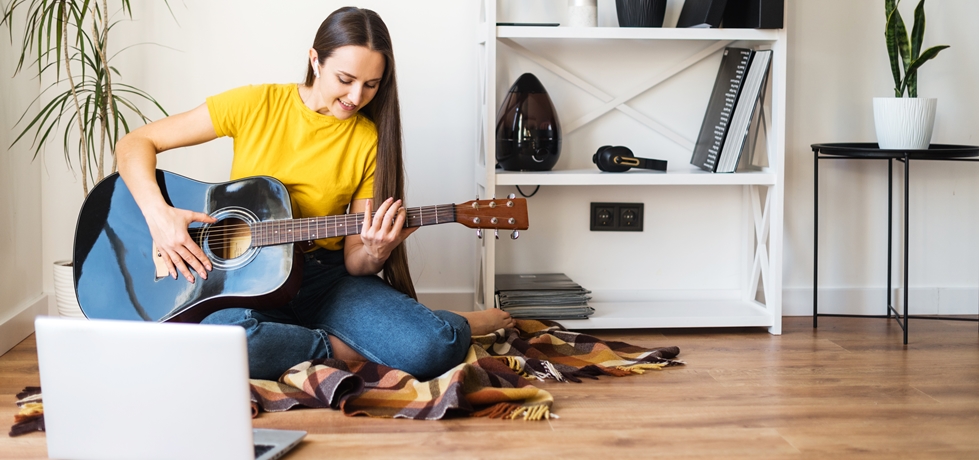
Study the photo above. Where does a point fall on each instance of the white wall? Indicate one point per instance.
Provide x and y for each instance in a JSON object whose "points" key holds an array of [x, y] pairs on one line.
{"points": [[21, 296], [837, 64]]}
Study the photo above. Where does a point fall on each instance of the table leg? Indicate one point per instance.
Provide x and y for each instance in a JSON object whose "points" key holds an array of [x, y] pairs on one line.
{"points": [[890, 232], [907, 168], [815, 235]]}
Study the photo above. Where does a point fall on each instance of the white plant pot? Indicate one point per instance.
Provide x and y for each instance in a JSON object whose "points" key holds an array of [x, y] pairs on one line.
{"points": [[64, 290], [904, 123]]}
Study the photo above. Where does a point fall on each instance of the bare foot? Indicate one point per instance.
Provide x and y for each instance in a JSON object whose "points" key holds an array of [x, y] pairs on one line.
{"points": [[486, 321]]}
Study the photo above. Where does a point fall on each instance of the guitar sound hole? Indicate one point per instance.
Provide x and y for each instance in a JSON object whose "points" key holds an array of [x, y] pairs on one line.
{"points": [[229, 238]]}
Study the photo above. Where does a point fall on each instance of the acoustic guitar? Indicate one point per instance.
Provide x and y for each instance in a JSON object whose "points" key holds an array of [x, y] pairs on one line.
{"points": [[254, 247]]}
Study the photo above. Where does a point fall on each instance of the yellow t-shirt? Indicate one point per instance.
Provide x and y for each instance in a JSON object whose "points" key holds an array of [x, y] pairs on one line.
{"points": [[325, 163]]}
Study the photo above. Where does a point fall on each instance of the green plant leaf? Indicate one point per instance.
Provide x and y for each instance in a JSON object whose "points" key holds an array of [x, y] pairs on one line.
{"points": [[898, 39], [890, 39], [918, 30], [903, 42], [926, 56], [912, 84]]}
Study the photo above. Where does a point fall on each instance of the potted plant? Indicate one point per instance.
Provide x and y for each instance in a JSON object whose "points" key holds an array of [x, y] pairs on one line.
{"points": [[84, 103], [905, 122]]}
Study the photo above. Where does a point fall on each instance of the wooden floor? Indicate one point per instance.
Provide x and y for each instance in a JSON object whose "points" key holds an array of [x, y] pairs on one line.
{"points": [[848, 389]]}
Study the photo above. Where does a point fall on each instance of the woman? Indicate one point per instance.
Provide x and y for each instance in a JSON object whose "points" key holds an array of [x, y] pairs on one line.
{"points": [[335, 142]]}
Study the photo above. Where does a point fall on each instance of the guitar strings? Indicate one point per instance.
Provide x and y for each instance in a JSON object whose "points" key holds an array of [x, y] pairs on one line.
{"points": [[256, 231], [320, 221], [220, 240], [311, 223], [435, 212]]}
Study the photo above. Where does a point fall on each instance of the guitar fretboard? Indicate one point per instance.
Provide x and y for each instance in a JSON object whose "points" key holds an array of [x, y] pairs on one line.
{"points": [[274, 232]]}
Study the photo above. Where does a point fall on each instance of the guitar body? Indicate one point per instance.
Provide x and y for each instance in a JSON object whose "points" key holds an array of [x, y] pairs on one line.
{"points": [[115, 273]]}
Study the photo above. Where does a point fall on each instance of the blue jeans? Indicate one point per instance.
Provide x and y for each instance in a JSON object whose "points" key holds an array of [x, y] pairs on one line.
{"points": [[378, 321]]}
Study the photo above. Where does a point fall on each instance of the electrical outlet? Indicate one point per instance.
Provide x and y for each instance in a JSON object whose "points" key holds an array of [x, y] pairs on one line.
{"points": [[616, 217], [630, 217], [603, 216]]}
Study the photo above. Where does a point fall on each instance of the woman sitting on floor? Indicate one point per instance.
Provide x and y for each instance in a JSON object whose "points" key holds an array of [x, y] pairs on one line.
{"points": [[335, 142]]}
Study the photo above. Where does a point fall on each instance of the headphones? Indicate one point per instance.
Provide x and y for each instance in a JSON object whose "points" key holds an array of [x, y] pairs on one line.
{"points": [[620, 159]]}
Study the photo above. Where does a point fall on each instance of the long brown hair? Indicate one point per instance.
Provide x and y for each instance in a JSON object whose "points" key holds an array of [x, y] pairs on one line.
{"points": [[363, 27]]}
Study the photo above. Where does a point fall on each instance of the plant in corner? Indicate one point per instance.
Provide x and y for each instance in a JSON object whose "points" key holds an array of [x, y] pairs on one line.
{"points": [[68, 40], [905, 122], [84, 102]]}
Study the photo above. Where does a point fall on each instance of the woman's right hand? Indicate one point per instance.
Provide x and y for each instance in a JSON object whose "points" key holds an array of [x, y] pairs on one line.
{"points": [[136, 153], [168, 226]]}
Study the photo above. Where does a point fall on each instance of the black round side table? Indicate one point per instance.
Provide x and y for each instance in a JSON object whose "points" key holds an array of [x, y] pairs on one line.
{"points": [[871, 151]]}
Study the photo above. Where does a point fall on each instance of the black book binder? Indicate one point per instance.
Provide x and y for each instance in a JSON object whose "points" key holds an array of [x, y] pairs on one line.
{"points": [[744, 110], [720, 108]]}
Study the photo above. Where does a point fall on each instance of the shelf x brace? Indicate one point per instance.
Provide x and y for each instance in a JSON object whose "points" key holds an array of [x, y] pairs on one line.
{"points": [[759, 267], [619, 103]]}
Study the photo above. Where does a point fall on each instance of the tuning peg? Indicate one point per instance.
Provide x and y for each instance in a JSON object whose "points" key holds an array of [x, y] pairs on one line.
{"points": [[479, 233], [511, 196], [496, 233], [515, 235]]}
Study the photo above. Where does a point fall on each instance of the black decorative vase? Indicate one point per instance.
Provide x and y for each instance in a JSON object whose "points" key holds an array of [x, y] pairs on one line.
{"points": [[640, 13], [528, 134]]}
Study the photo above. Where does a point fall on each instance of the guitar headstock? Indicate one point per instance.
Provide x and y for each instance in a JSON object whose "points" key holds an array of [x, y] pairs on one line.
{"points": [[499, 214]]}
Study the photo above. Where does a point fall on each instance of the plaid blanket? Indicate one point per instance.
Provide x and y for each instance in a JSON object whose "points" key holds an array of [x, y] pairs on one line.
{"points": [[493, 381], [30, 417]]}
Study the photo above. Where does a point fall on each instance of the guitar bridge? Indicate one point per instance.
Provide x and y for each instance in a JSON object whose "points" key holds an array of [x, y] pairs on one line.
{"points": [[161, 270]]}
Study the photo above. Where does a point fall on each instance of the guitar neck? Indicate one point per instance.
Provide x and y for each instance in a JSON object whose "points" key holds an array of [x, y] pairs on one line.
{"points": [[284, 231]]}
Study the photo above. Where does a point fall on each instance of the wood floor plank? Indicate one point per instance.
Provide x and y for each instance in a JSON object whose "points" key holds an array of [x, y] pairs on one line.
{"points": [[892, 417], [849, 388], [952, 393], [628, 443], [855, 438]]}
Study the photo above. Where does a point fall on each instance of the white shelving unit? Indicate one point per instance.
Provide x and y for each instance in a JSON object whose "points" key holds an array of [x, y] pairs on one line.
{"points": [[758, 301]]}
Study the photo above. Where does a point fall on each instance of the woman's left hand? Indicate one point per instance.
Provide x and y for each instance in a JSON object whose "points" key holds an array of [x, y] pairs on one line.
{"points": [[384, 231]]}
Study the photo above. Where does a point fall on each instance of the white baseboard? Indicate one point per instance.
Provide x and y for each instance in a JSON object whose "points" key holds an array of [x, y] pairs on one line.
{"points": [[798, 301], [16, 326], [454, 301], [873, 301]]}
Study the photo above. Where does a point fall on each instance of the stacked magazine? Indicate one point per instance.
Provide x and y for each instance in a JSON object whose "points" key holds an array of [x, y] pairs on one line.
{"points": [[542, 296]]}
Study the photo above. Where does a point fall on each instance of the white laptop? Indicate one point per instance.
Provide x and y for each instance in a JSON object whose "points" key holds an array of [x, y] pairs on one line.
{"points": [[137, 390]]}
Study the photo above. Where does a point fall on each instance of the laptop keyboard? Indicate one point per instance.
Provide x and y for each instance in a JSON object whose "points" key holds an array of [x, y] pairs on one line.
{"points": [[261, 449]]}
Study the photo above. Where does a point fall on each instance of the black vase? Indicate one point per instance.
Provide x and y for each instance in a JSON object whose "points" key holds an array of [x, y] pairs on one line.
{"points": [[528, 134], [640, 13]]}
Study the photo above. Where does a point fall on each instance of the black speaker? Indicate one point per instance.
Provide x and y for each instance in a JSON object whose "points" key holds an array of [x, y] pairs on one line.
{"points": [[620, 159], [528, 134]]}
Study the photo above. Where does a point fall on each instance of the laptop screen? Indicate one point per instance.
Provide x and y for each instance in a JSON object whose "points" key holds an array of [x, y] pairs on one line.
{"points": [[127, 389]]}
